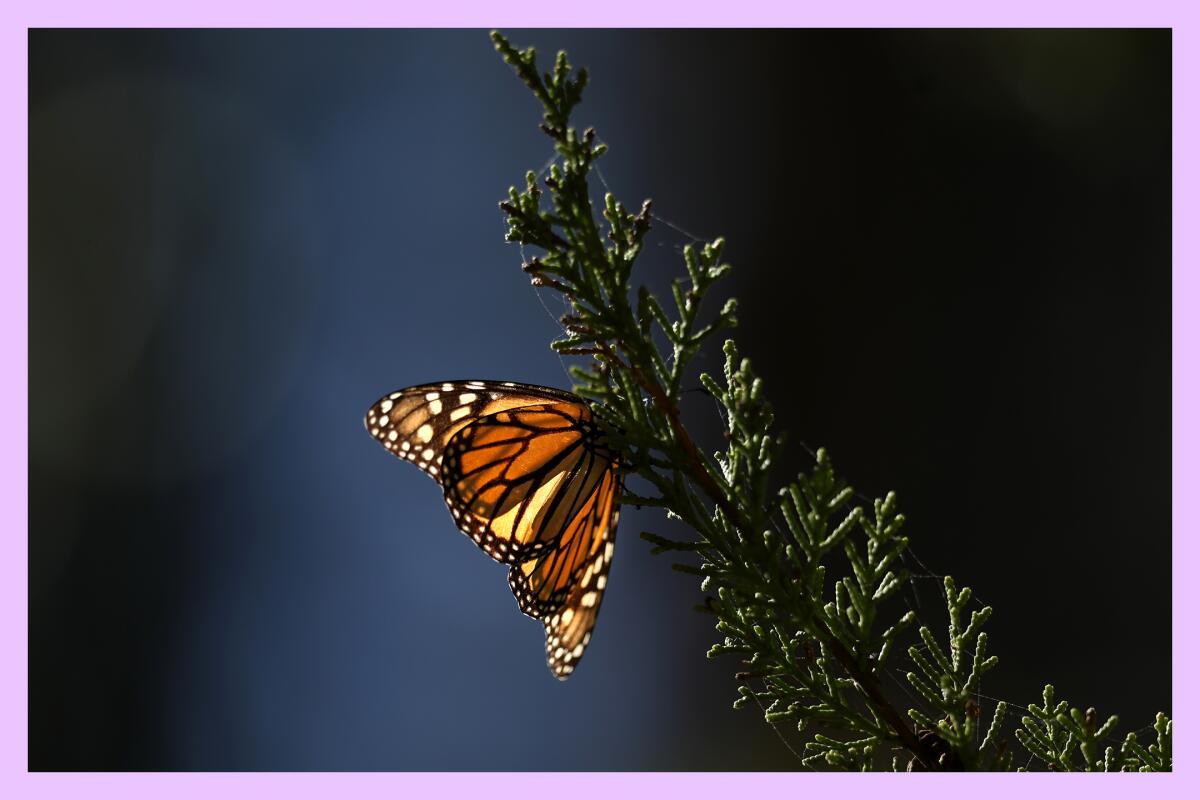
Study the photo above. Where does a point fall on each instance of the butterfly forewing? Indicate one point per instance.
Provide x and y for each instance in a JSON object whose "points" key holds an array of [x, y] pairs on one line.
{"points": [[416, 423], [525, 476], [514, 479]]}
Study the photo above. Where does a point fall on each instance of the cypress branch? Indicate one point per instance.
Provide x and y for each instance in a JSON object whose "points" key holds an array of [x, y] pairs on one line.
{"points": [[811, 644]]}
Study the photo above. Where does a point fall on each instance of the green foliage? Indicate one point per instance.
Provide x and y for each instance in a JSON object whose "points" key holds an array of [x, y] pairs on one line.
{"points": [[1070, 741], [948, 681], [802, 581]]}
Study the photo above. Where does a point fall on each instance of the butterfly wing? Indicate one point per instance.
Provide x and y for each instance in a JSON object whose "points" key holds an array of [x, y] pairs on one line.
{"points": [[515, 480], [564, 586], [416, 423]]}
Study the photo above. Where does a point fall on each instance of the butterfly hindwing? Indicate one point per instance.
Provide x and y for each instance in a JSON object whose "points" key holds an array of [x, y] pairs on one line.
{"points": [[564, 586]]}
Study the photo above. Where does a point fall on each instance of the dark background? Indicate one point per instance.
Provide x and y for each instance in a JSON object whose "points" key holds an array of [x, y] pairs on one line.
{"points": [[952, 254]]}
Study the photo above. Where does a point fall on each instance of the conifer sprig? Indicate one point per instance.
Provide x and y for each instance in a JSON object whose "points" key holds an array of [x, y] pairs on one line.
{"points": [[802, 580]]}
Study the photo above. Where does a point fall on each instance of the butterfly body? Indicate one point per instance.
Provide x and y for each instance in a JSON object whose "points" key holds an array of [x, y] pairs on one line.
{"points": [[526, 475]]}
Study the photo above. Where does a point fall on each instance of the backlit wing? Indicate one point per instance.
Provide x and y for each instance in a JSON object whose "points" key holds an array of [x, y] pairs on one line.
{"points": [[564, 586], [515, 480], [416, 423]]}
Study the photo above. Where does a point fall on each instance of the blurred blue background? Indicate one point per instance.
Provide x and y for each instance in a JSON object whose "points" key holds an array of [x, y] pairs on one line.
{"points": [[241, 239]]}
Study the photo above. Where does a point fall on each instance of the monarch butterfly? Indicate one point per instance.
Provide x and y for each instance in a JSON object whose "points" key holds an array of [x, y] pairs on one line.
{"points": [[527, 476]]}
